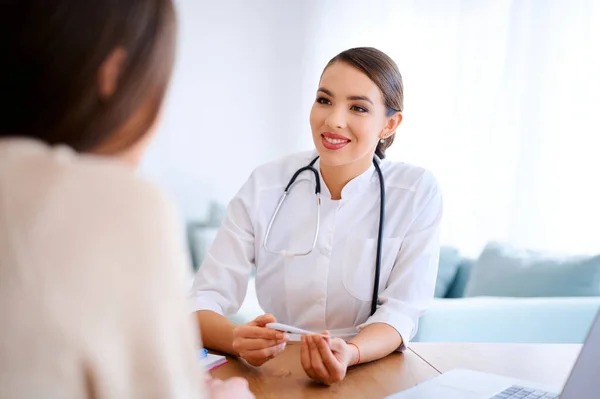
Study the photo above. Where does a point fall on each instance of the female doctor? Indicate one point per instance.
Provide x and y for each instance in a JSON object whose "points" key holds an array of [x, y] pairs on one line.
{"points": [[316, 260]]}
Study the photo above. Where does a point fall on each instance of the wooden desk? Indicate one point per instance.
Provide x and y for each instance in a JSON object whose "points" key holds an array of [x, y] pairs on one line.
{"points": [[283, 377], [548, 364]]}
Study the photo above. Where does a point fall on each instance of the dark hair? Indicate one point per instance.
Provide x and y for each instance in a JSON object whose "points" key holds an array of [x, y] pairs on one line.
{"points": [[51, 53], [383, 71]]}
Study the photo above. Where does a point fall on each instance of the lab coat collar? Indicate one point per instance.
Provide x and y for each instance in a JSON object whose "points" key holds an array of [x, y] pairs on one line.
{"points": [[354, 187]]}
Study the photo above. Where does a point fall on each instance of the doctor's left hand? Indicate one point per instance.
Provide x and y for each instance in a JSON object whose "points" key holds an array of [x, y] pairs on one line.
{"points": [[325, 359]]}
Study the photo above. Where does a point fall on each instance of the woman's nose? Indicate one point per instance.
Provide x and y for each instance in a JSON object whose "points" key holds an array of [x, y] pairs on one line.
{"points": [[336, 118]]}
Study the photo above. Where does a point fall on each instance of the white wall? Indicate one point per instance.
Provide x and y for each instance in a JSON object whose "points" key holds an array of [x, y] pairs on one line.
{"points": [[234, 100]]}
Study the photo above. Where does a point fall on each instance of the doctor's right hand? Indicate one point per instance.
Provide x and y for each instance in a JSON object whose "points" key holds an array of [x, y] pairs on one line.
{"points": [[256, 343]]}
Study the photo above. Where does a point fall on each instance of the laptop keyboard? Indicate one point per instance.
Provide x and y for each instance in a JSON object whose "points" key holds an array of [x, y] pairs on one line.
{"points": [[518, 392]]}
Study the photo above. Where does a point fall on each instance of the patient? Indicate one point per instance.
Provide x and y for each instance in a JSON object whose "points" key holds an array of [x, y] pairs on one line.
{"points": [[81, 86]]}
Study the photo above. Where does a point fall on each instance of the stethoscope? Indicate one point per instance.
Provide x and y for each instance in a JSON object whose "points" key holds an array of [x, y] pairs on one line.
{"points": [[310, 167]]}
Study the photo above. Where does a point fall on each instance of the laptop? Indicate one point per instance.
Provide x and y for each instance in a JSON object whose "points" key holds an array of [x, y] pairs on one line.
{"points": [[583, 382]]}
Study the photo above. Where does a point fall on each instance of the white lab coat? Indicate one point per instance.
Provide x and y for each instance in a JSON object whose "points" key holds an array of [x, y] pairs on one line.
{"points": [[331, 288]]}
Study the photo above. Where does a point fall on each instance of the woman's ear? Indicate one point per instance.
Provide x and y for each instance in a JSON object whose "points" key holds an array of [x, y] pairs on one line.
{"points": [[392, 124], [110, 72]]}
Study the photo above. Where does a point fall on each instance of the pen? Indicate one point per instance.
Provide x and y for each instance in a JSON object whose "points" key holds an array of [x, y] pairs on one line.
{"points": [[203, 353]]}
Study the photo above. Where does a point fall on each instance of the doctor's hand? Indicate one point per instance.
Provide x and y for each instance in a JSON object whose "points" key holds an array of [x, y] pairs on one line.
{"points": [[256, 343], [325, 359]]}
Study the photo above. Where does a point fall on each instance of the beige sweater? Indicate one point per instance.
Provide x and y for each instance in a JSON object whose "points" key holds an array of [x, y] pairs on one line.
{"points": [[92, 281]]}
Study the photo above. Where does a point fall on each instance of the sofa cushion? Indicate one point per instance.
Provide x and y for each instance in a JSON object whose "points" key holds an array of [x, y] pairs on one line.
{"points": [[448, 266], [457, 288], [518, 320], [503, 270]]}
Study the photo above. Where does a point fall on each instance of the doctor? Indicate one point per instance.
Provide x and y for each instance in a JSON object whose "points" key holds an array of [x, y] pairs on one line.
{"points": [[316, 264]]}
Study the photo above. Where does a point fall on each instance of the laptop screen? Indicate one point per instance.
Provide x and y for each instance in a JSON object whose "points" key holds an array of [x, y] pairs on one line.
{"points": [[584, 381]]}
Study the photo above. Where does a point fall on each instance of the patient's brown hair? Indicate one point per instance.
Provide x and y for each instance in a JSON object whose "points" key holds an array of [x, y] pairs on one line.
{"points": [[51, 52]]}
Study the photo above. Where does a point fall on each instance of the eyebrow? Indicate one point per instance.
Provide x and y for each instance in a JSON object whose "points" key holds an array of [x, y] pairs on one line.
{"points": [[355, 98]]}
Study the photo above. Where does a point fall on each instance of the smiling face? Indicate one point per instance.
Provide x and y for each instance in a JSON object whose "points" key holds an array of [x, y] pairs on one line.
{"points": [[349, 117]]}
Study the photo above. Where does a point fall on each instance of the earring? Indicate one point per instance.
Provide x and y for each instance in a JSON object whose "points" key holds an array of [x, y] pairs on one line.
{"points": [[382, 141]]}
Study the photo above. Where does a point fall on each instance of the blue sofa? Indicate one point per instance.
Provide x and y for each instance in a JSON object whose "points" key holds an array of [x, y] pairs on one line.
{"points": [[515, 296], [497, 319]]}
